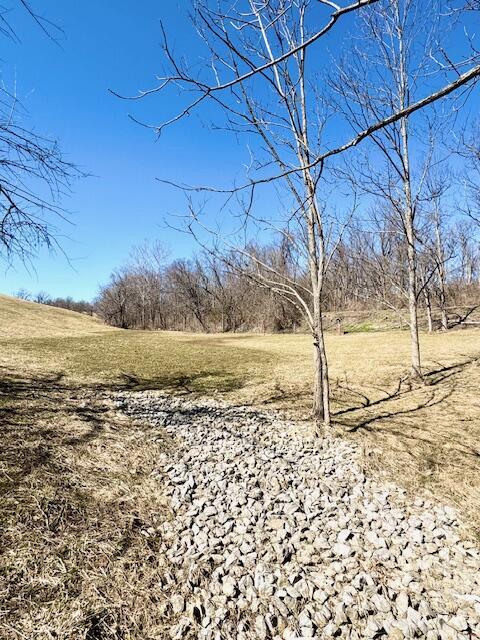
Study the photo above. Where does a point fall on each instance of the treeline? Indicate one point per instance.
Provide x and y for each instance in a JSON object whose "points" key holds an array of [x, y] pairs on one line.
{"points": [[81, 306], [204, 293], [229, 291]]}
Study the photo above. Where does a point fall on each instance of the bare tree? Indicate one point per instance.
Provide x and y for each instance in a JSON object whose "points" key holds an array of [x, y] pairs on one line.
{"points": [[442, 249], [233, 291], [34, 174], [424, 269], [114, 299], [468, 248], [270, 40], [146, 269], [469, 150], [261, 78], [23, 294], [392, 63]]}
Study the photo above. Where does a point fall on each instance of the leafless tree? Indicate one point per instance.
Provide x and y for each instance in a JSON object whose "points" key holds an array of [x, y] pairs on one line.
{"points": [[424, 271], [114, 300], [202, 293], [367, 273], [34, 174], [393, 62], [380, 261], [287, 122], [467, 245], [260, 75], [469, 150], [145, 269], [441, 245], [23, 294]]}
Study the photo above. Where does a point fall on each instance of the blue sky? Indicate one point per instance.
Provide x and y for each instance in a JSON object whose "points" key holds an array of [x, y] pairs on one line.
{"points": [[65, 89], [107, 45]]}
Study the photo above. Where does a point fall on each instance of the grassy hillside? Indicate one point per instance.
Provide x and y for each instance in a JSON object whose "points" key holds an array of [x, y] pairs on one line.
{"points": [[23, 319], [76, 485], [420, 434]]}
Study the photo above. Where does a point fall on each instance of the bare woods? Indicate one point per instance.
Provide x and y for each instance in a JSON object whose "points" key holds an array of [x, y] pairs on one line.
{"points": [[213, 294]]}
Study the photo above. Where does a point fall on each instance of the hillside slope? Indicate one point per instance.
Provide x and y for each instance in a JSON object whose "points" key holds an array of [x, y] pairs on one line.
{"points": [[23, 319], [421, 435]]}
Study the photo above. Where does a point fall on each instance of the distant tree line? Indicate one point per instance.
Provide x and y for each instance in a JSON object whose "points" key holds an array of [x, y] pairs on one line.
{"points": [[42, 297], [199, 294], [229, 292], [368, 271]]}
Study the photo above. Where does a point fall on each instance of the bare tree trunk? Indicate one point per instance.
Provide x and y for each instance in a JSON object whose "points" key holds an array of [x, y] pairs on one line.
{"points": [[321, 387], [411, 258], [409, 216], [443, 311], [413, 312], [428, 308], [321, 390], [318, 408], [442, 296], [325, 377]]}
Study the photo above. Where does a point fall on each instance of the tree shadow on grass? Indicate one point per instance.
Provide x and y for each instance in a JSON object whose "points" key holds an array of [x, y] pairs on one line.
{"points": [[27, 400], [365, 423], [280, 395], [402, 388], [77, 492], [31, 407], [419, 423], [443, 372], [209, 381], [405, 389]]}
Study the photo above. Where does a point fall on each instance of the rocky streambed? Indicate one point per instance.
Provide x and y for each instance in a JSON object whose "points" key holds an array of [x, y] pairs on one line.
{"points": [[274, 534]]}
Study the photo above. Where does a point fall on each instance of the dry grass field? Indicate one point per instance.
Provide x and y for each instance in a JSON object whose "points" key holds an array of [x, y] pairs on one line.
{"points": [[76, 494], [23, 319]]}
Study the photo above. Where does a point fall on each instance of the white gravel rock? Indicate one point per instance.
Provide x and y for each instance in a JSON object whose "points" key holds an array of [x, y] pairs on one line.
{"points": [[277, 535], [229, 587]]}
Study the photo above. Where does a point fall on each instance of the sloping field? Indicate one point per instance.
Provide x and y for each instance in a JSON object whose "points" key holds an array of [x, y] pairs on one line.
{"points": [[421, 435], [24, 319], [76, 488]]}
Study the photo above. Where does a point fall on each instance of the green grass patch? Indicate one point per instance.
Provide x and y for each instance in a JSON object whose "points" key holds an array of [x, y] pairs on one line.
{"points": [[150, 360], [362, 327]]}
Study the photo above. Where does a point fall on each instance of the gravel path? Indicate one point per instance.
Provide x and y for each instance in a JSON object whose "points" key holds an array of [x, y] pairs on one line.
{"points": [[277, 535]]}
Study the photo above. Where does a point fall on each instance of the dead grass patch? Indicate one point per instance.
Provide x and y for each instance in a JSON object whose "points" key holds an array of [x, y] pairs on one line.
{"points": [[78, 516], [76, 494], [24, 319]]}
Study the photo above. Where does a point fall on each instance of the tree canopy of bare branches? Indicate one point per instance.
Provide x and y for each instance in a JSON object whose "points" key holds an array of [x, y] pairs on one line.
{"points": [[34, 174], [263, 77]]}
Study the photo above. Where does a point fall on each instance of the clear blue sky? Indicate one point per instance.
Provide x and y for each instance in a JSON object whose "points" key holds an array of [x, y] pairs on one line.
{"points": [[111, 45], [107, 45]]}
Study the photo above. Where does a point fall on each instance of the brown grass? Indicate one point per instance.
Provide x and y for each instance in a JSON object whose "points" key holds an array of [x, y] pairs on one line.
{"points": [[422, 435], [24, 319], [77, 498], [78, 511]]}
